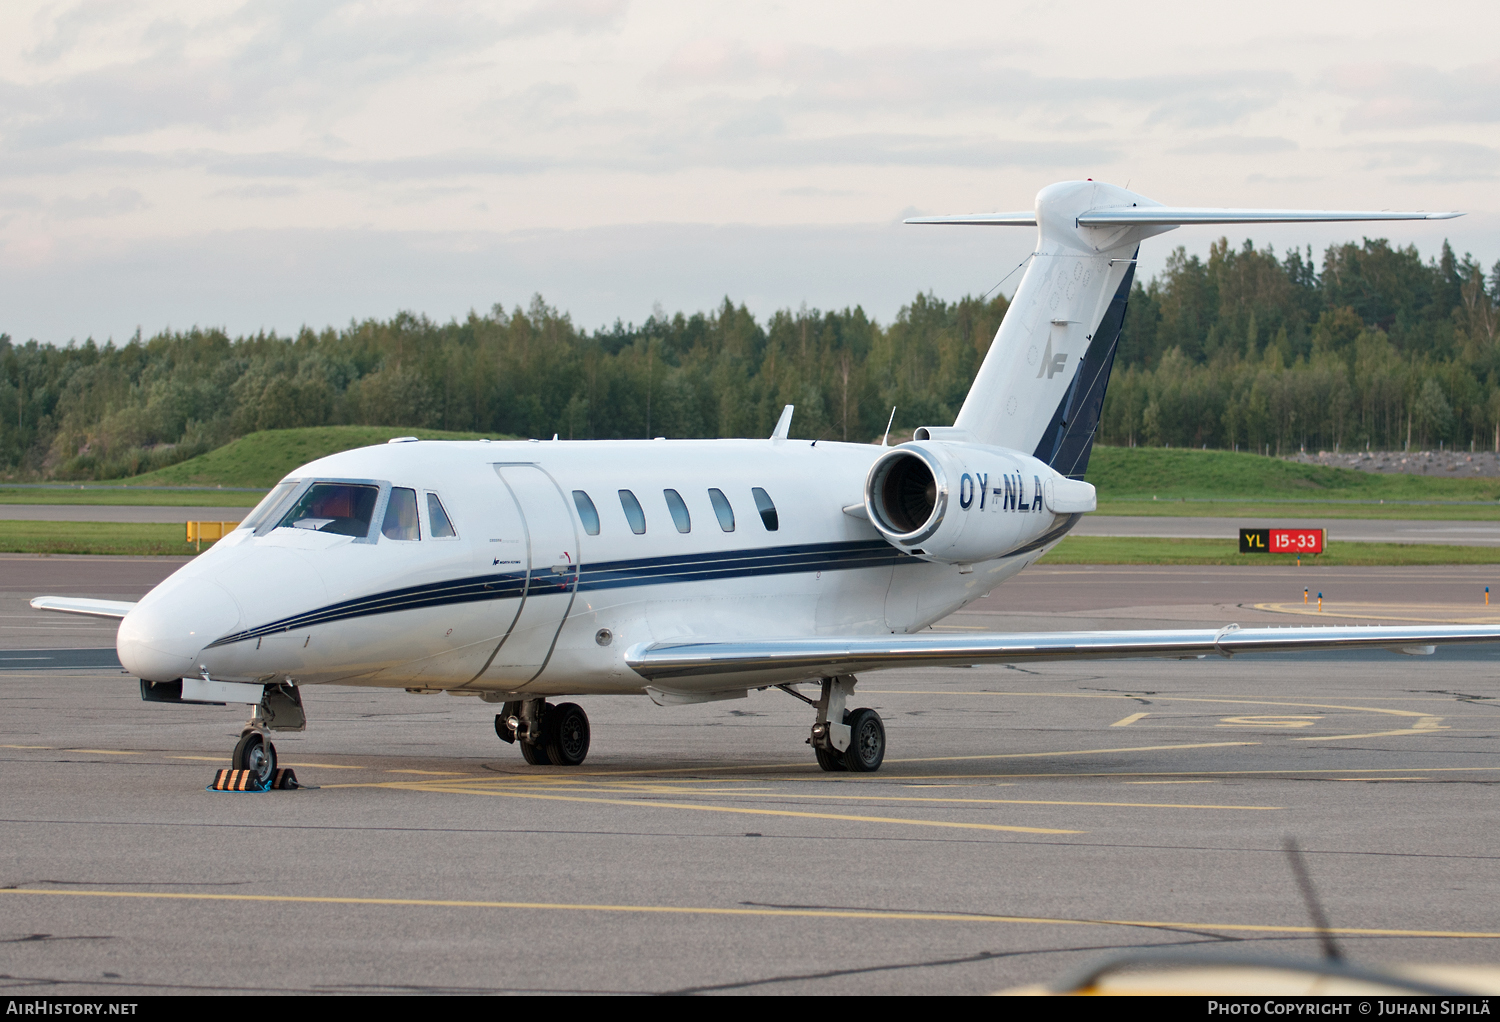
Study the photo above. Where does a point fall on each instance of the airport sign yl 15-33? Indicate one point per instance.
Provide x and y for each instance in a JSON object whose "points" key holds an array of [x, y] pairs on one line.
{"points": [[1282, 541]]}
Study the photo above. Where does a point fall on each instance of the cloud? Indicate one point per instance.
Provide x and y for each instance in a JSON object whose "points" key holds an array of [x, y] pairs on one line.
{"points": [[1236, 145], [1394, 95], [1430, 162], [946, 79], [580, 17], [269, 60], [100, 204]]}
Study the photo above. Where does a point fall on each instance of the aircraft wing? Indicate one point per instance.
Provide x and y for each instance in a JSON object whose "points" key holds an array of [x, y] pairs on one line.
{"points": [[93, 608], [827, 655]]}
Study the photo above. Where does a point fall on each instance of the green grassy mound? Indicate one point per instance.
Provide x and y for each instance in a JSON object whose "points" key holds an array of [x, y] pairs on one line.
{"points": [[1141, 473], [261, 459]]}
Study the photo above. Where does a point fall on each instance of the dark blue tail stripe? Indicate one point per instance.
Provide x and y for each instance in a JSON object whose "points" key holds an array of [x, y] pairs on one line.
{"points": [[1069, 437]]}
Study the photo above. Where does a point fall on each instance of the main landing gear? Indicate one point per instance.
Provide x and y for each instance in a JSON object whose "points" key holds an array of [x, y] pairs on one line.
{"points": [[548, 735], [852, 740]]}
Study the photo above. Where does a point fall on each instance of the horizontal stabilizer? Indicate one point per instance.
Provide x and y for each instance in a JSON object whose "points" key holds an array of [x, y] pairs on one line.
{"points": [[1025, 218], [1175, 216], [1128, 216], [93, 608], [828, 655]]}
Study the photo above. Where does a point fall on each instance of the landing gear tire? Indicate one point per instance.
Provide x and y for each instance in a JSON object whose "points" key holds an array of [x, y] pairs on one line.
{"points": [[566, 728], [255, 754], [830, 760], [535, 752], [866, 742]]}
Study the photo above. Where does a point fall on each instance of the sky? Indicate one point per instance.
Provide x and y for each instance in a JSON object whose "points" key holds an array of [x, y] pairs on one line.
{"points": [[269, 165]]}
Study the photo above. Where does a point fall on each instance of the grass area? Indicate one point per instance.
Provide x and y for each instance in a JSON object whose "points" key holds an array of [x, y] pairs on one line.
{"points": [[1310, 511], [138, 538], [261, 459], [1141, 473], [147, 539], [112, 494], [1133, 550]]}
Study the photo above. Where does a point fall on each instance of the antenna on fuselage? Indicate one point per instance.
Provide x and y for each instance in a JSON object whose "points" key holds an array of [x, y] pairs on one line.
{"points": [[888, 424]]}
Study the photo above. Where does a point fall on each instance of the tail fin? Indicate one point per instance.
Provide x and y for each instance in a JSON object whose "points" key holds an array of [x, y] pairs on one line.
{"points": [[1041, 387]]}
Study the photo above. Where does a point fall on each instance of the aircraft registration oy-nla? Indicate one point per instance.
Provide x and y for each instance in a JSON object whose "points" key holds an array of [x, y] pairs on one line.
{"points": [[694, 570]]}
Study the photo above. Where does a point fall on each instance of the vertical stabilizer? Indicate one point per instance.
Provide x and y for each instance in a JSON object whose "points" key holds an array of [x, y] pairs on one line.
{"points": [[1041, 387]]}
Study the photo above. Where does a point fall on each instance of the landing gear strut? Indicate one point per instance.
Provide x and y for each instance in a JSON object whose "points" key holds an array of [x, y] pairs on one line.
{"points": [[852, 740], [548, 735]]}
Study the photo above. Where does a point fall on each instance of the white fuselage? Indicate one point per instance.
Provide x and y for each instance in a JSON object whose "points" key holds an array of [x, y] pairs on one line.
{"points": [[524, 599]]}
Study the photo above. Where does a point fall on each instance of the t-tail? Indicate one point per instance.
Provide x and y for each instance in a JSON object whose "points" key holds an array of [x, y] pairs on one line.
{"points": [[1041, 387]]}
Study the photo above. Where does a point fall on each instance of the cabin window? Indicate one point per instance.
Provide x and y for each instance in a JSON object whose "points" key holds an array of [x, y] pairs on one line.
{"points": [[587, 513], [766, 508], [680, 516], [343, 509], [633, 513], [722, 509], [270, 505], [401, 515], [438, 524]]}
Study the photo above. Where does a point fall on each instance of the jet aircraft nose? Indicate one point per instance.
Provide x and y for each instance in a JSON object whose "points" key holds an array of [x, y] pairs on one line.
{"points": [[161, 638]]}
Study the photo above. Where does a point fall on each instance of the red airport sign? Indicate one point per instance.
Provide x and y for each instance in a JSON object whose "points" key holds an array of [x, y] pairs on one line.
{"points": [[1282, 541]]}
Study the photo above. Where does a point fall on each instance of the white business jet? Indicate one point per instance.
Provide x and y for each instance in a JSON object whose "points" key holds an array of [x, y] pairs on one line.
{"points": [[693, 570]]}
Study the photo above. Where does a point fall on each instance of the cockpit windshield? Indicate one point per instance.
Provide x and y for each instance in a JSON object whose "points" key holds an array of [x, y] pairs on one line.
{"points": [[270, 505], [344, 509]]}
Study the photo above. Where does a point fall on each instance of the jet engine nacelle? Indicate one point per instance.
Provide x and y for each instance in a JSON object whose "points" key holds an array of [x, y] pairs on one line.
{"points": [[958, 503]]}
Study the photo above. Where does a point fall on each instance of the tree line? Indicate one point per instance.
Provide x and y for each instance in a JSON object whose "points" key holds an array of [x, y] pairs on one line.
{"points": [[1243, 350]]}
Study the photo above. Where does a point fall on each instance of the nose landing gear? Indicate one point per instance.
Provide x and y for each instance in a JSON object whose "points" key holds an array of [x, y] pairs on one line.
{"points": [[548, 735], [255, 753]]}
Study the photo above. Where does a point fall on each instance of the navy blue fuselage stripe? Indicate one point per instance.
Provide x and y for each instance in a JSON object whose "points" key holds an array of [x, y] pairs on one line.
{"points": [[602, 575]]}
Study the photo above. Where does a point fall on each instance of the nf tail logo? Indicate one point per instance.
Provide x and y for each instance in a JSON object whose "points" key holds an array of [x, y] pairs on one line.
{"points": [[1051, 364]]}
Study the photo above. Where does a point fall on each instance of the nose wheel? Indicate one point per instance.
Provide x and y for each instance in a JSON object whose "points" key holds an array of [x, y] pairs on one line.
{"points": [[257, 755]]}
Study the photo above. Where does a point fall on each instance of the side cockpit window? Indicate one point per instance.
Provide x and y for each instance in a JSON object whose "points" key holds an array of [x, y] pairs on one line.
{"points": [[587, 513], [767, 509], [343, 509], [438, 525], [401, 515]]}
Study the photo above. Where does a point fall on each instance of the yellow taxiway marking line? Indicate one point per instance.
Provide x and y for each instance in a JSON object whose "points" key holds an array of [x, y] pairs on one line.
{"points": [[26, 746], [1175, 773], [1381, 778], [329, 766], [442, 787], [1449, 614], [1171, 782], [743, 810], [206, 759], [435, 773], [1127, 721], [1161, 698], [659, 771], [103, 752], [703, 910], [1078, 752]]}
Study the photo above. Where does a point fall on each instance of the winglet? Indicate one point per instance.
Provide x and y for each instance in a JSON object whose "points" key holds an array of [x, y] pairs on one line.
{"points": [[783, 424]]}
